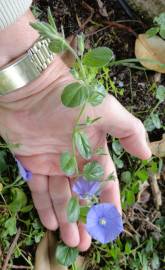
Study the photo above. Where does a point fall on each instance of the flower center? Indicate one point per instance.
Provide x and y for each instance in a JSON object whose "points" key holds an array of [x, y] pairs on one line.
{"points": [[102, 221]]}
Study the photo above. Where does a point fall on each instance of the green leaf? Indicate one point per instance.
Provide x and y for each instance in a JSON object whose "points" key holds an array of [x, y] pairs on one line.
{"points": [[67, 162], [74, 95], [118, 162], [10, 226], [149, 125], [130, 197], [51, 19], [162, 31], [155, 262], [97, 95], [19, 200], [93, 171], [156, 120], [126, 177], [58, 46], [160, 93], [98, 57], [152, 31], [3, 164], [44, 29], [117, 148], [66, 255], [83, 145], [27, 208], [128, 247], [81, 44], [160, 20], [142, 175], [73, 210]]}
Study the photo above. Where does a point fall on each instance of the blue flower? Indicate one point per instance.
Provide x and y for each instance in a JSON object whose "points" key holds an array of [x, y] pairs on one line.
{"points": [[26, 175], [86, 189], [104, 223]]}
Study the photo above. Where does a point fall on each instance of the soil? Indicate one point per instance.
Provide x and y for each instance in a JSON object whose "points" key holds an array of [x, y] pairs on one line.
{"points": [[138, 97]]}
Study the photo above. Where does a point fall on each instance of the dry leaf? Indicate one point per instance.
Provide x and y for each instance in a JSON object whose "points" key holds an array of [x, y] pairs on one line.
{"points": [[143, 195], [152, 49], [157, 196], [158, 147], [102, 9], [45, 255], [67, 56]]}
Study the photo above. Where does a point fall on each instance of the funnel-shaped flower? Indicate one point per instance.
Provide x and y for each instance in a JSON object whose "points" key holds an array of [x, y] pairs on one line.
{"points": [[86, 189], [104, 222]]}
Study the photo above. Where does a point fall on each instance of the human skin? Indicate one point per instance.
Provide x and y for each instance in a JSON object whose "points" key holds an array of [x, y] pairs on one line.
{"points": [[35, 118]]}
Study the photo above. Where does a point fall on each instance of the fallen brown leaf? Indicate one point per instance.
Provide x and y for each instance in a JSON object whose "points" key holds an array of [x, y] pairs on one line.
{"points": [[151, 49], [158, 147]]}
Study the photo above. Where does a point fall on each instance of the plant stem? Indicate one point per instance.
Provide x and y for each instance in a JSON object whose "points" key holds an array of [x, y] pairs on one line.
{"points": [[155, 108], [73, 136]]}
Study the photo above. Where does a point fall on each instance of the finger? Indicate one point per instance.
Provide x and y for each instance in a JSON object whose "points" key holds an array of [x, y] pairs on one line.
{"points": [[42, 201], [60, 192], [110, 192], [85, 239], [121, 124]]}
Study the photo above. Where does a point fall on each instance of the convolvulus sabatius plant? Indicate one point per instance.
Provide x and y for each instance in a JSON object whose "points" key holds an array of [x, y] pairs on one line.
{"points": [[103, 221]]}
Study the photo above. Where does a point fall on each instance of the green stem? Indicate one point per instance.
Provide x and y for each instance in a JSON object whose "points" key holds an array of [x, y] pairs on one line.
{"points": [[155, 108], [73, 136]]}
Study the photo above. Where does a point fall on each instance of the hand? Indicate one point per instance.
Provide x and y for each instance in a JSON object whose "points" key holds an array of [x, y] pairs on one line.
{"points": [[35, 118]]}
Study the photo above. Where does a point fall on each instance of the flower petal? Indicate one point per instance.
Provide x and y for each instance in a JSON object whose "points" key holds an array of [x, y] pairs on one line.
{"points": [[26, 175]]}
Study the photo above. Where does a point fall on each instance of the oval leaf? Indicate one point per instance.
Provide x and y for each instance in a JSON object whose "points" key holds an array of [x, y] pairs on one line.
{"points": [[83, 145], [73, 210], [93, 170], [74, 95], [98, 57], [67, 163], [97, 95], [160, 93], [66, 255]]}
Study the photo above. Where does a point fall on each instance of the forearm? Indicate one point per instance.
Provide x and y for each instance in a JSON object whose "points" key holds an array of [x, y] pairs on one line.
{"points": [[17, 38]]}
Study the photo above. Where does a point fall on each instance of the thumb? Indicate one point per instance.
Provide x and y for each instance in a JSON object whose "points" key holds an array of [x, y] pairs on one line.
{"points": [[118, 122]]}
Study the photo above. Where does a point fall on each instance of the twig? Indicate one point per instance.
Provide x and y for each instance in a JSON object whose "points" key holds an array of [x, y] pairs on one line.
{"points": [[18, 266], [121, 26], [115, 25], [85, 5], [11, 249], [155, 190]]}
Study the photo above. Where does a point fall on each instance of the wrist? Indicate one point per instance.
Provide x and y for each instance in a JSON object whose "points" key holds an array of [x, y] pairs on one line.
{"points": [[16, 39]]}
